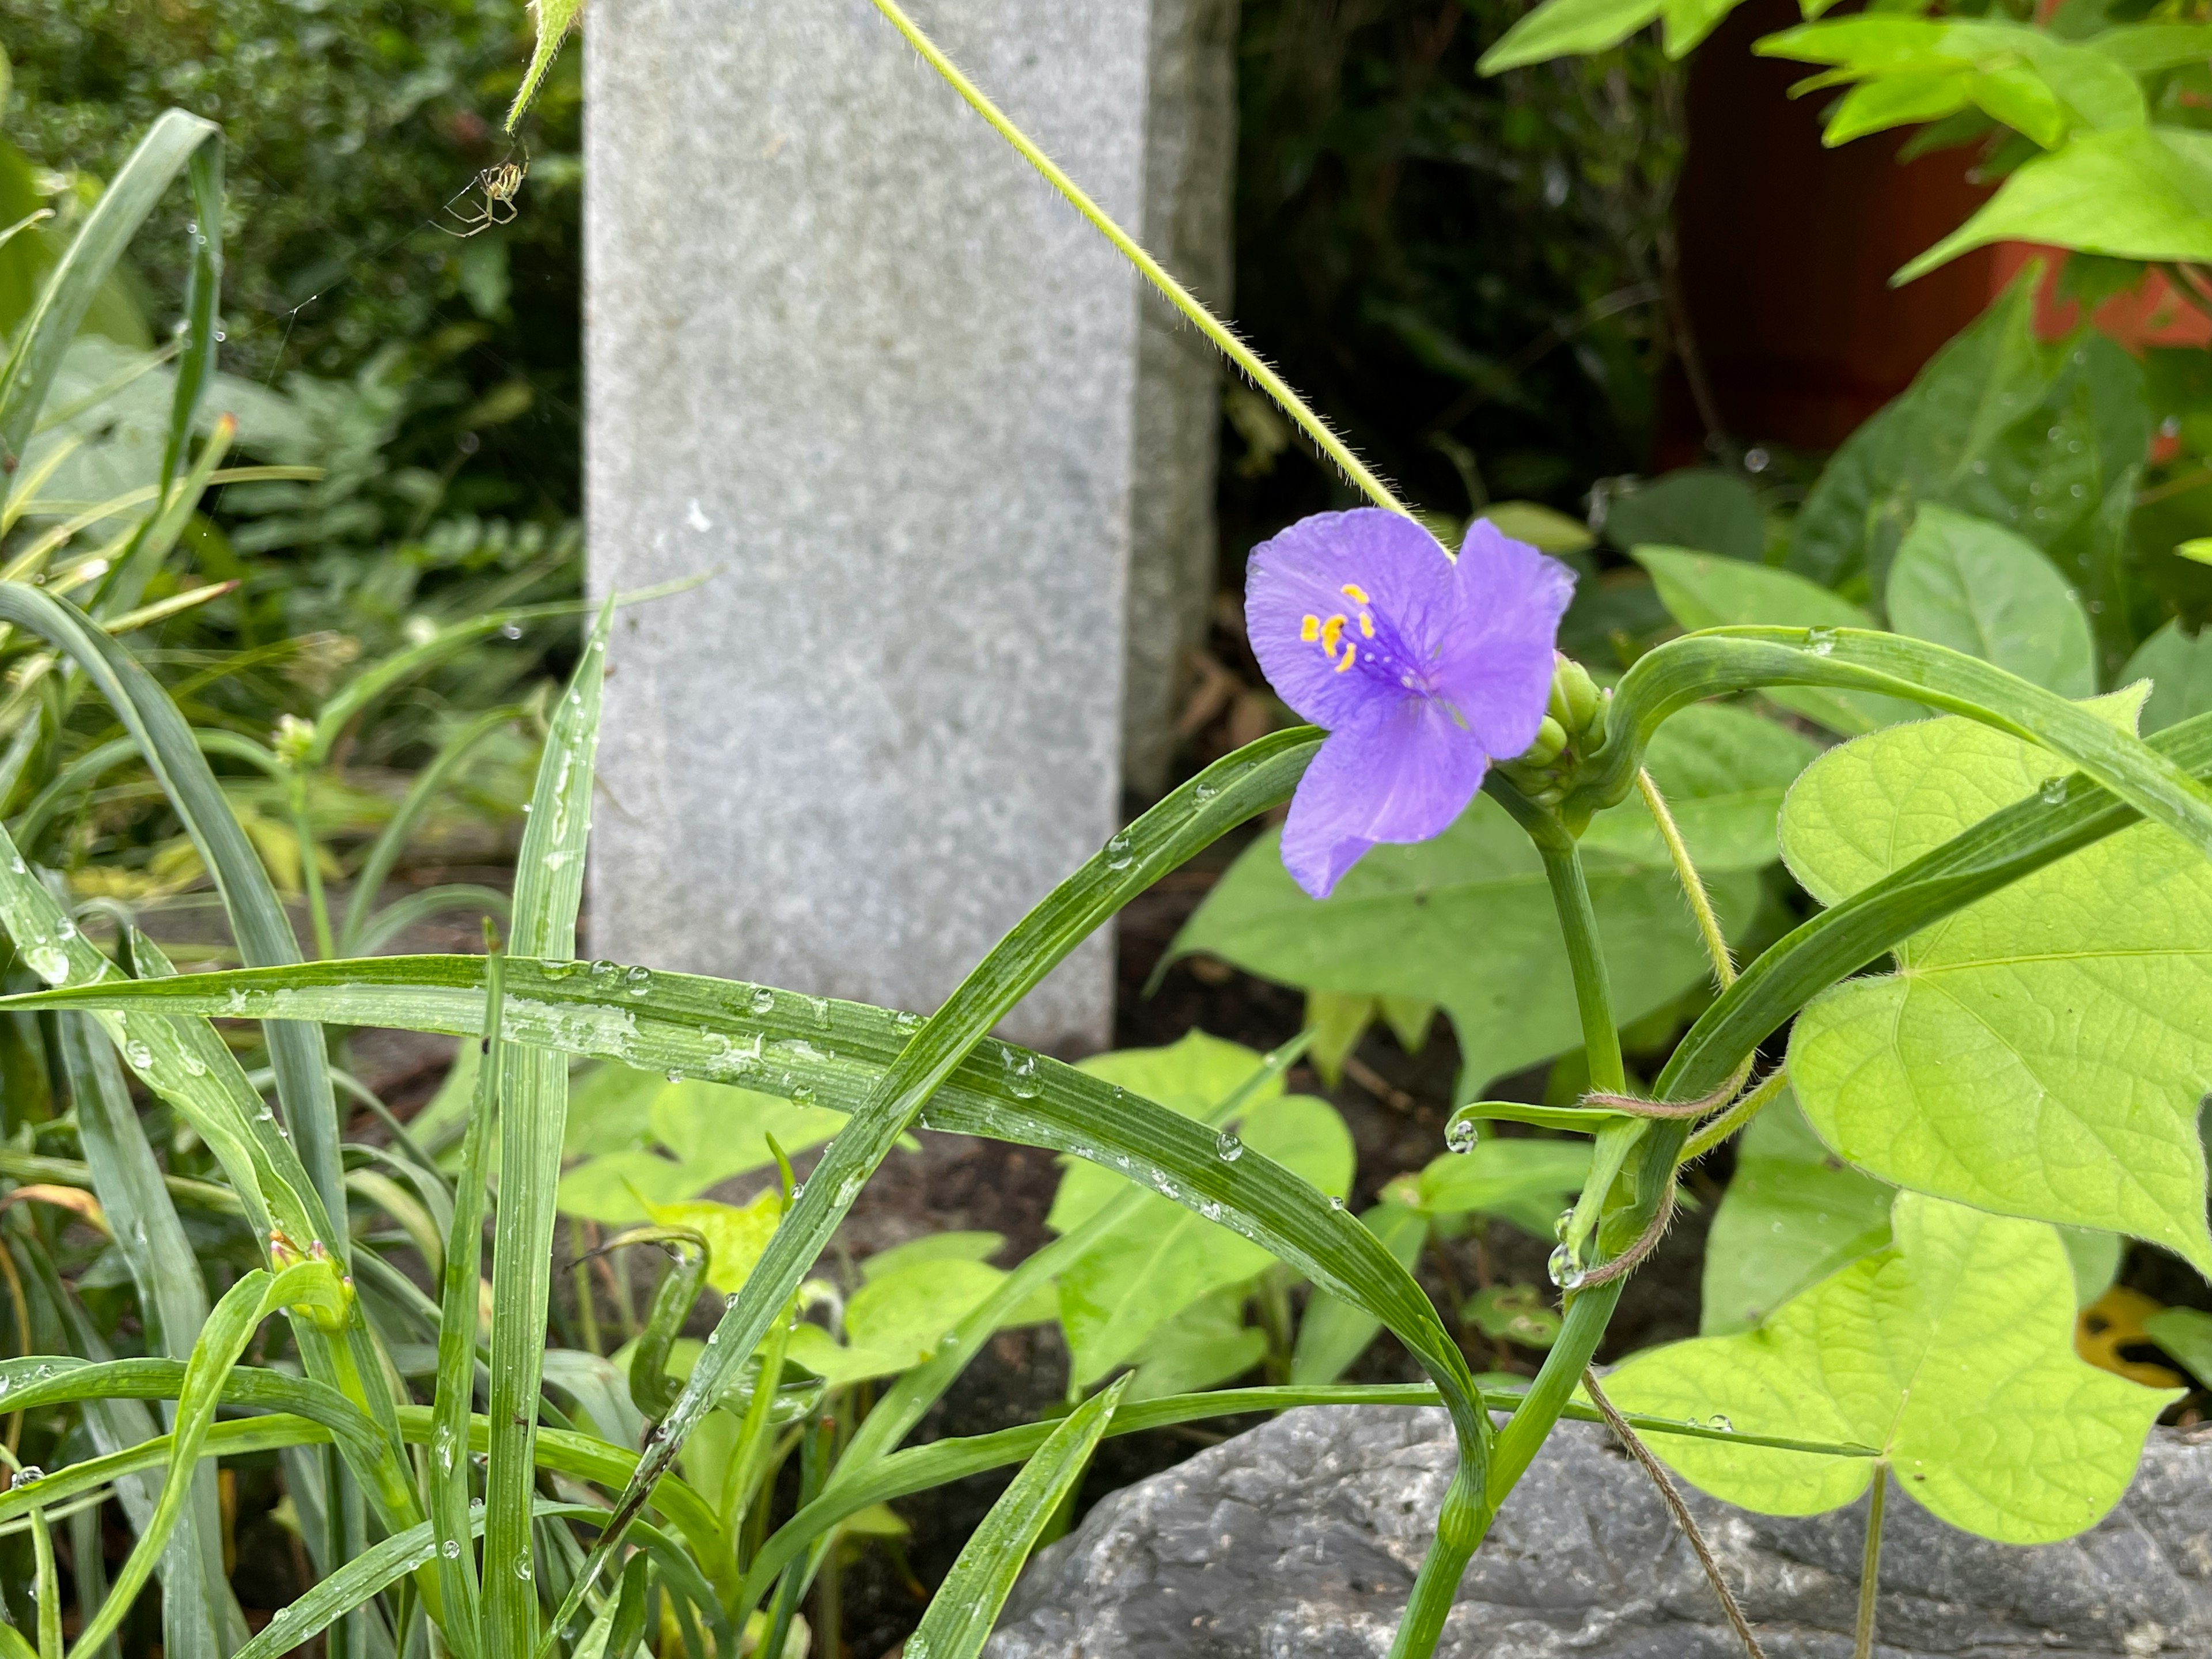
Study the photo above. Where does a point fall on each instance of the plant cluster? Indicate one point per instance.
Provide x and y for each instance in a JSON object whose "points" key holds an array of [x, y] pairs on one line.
{"points": [[1950, 693]]}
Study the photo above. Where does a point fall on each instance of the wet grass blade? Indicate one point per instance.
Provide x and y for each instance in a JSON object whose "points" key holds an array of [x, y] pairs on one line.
{"points": [[958, 1620], [248, 1302], [549, 889], [44, 337], [258, 919], [448, 1472], [173, 1302]]}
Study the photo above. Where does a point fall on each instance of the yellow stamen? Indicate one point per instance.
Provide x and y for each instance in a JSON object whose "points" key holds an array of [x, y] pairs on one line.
{"points": [[1331, 631], [1366, 626], [1310, 629], [1349, 651], [1355, 592]]}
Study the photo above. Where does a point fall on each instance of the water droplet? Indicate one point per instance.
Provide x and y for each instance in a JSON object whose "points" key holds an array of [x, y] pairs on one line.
{"points": [[1205, 792], [847, 1190], [637, 981], [1021, 1074], [1227, 1147], [65, 928], [2053, 790], [1566, 1220], [1460, 1134], [1820, 641], [802, 1094], [675, 1076], [1719, 1422], [1118, 855], [820, 1008], [522, 1570], [451, 1549], [1334, 1202], [1209, 1209], [762, 1001], [138, 1054], [193, 1064], [48, 962], [26, 1476], [1566, 1273], [511, 631]]}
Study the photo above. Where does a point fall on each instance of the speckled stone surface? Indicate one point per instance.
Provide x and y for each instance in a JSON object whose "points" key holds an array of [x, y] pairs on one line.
{"points": [[848, 354], [1301, 1538]]}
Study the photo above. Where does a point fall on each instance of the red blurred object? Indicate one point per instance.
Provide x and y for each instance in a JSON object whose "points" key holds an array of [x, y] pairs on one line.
{"points": [[2150, 315], [1787, 252]]}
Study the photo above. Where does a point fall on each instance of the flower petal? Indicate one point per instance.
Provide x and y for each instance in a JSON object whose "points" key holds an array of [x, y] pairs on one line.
{"points": [[1495, 665], [1400, 773], [1303, 573]]}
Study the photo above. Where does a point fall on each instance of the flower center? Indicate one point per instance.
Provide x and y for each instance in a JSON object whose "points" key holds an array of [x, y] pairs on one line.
{"points": [[1357, 640]]}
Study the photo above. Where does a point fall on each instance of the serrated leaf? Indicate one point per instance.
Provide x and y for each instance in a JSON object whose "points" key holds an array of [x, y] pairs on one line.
{"points": [[1951, 1351], [1399, 921], [1163, 1257], [1794, 1212], [1723, 772], [2041, 1052], [1705, 590], [1976, 587]]}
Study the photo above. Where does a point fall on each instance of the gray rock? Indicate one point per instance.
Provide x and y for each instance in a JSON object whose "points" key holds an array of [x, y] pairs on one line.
{"points": [[1301, 1538], [847, 351]]}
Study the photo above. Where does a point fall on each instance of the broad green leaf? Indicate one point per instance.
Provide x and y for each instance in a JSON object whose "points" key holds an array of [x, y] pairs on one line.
{"points": [[1793, 1213], [1559, 28], [1978, 588], [1951, 1351], [2041, 1052], [1163, 1257], [2147, 48], [932, 1246], [736, 1234], [1332, 1333], [1542, 527], [1206, 1345], [1686, 23], [1723, 772], [2031, 436], [1401, 922], [2179, 670], [960, 1615], [1703, 590], [1697, 509], [715, 1131], [2131, 193], [1522, 1179]]}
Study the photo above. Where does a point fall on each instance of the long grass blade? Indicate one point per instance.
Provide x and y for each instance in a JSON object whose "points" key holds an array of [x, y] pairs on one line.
{"points": [[549, 889], [257, 916], [44, 336], [959, 1617], [448, 1473], [172, 1297]]}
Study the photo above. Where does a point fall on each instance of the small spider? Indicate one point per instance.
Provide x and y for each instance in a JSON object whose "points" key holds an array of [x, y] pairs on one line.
{"points": [[499, 185]]}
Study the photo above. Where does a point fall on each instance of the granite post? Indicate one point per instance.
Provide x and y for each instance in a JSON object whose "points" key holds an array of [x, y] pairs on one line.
{"points": [[849, 356]]}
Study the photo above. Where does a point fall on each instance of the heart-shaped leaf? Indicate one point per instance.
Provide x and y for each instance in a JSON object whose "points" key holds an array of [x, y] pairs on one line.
{"points": [[1976, 587], [2042, 1053], [1950, 1353]]}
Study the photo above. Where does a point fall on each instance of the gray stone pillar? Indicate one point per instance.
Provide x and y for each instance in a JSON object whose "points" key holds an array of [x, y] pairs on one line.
{"points": [[845, 352]]}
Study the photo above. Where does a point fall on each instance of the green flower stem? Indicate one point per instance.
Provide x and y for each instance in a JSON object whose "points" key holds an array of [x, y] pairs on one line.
{"points": [[1870, 1568], [1693, 885], [1223, 337], [1563, 869], [311, 874]]}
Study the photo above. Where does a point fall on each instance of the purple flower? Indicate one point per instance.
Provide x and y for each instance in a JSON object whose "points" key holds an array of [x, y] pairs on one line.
{"points": [[1423, 667]]}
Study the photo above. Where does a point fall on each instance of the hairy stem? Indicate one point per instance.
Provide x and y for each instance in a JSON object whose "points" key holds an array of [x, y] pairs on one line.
{"points": [[1223, 337], [1672, 1497], [1693, 885], [1735, 1117], [1870, 1568]]}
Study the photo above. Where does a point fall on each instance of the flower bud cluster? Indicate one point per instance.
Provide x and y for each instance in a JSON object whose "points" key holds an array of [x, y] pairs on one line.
{"points": [[1573, 728]]}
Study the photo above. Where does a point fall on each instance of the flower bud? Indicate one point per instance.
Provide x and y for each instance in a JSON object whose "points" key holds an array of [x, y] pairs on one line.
{"points": [[1574, 701], [1551, 741], [291, 739]]}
